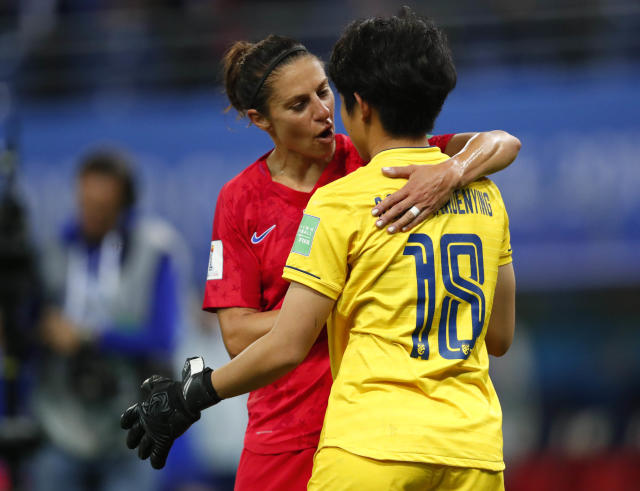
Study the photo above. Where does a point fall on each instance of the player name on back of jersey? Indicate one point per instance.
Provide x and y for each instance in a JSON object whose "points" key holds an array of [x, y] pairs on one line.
{"points": [[467, 201]]}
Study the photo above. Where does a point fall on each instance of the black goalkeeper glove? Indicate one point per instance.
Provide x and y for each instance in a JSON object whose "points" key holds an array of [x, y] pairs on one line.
{"points": [[167, 412]]}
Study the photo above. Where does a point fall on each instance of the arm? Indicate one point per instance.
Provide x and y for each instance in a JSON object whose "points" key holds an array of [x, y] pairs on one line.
{"points": [[301, 319], [503, 314], [481, 154], [236, 295], [242, 326], [170, 407], [429, 187]]}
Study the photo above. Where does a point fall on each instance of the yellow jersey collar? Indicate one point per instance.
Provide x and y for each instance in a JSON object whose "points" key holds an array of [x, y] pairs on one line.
{"points": [[407, 155]]}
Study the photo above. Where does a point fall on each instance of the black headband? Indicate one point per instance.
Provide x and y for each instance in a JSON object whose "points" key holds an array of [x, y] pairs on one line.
{"points": [[272, 67]]}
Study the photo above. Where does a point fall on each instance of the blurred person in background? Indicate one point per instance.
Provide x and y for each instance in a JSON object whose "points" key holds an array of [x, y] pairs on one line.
{"points": [[20, 303], [283, 89], [406, 97], [113, 307]]}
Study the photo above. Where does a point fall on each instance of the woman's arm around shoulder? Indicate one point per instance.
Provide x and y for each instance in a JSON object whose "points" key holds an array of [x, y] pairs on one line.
{"points": [[429, 187]]}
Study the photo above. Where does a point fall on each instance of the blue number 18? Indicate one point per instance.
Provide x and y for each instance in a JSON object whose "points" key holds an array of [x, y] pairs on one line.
{"points": [[459, 289]]}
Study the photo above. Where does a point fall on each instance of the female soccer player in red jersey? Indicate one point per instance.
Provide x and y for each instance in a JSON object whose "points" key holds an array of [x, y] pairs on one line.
{"points": [[284, 91]]}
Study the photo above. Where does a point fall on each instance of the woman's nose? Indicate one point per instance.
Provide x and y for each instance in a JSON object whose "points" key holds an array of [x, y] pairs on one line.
{"points": [[322, 111]]}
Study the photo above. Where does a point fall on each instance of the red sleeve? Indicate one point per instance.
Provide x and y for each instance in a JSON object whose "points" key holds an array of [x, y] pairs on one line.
{"points": [[233, 276], [440, 141]]}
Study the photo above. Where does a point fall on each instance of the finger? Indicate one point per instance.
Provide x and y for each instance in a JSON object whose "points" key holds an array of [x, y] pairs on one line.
{"points": [[159, 456], [129, 417], [427, 208], [394, 213], [145, 447], [401, 222], [389, 201], [148, 385], [395, 172], [434, 203], [421, 217], [134, 435]]}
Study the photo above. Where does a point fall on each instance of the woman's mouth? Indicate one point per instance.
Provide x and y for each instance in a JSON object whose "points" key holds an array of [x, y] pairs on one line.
{"points": [[325, 136]]}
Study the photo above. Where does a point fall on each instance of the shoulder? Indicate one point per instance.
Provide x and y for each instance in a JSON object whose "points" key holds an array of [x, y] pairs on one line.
{"points": [[493, 189], [52, 260], [339, 186], [342, 193], [252, 176], [491, 195], [158, 234], [486, 184]]}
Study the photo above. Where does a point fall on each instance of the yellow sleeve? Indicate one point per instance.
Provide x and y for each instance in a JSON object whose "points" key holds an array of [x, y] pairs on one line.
{"points": [[505, 249], [318, 258]]}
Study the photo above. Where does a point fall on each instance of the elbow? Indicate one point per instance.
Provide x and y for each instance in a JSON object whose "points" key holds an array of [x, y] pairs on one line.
{"points": [[233, 344], [499, 345], [498, 349], [232, 351], [287, 353], [508, 142], [515, 145]]}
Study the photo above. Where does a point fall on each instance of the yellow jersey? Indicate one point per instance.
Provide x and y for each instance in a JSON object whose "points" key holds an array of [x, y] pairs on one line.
{"points": [[406, 334]]}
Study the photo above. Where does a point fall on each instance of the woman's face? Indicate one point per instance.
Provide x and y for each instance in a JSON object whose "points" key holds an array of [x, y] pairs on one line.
{"points": [[100, 204], [301, 109]]}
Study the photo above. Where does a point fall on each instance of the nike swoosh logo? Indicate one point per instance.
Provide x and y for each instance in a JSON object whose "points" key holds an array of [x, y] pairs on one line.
{"points": [[256, 239]]}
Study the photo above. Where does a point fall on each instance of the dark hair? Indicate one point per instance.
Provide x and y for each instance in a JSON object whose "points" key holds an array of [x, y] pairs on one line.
{"points": [[400, 65], [111, 163], [248, 68]]}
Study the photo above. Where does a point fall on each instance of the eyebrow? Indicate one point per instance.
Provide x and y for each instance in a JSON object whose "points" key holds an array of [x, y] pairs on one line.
{"points": [[302, 97]]}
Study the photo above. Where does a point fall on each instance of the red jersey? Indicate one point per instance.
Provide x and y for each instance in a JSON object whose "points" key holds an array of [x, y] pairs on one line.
{"points": [[254, 227]]}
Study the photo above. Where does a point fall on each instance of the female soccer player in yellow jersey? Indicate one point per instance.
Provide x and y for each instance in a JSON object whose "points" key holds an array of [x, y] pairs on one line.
{"points": [[408, 313], [284, 90]]}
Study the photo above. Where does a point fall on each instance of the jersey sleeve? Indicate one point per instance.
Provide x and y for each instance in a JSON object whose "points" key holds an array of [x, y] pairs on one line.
{"points": [[318, 258], [505, 249], [440, 141], [233, 273]]}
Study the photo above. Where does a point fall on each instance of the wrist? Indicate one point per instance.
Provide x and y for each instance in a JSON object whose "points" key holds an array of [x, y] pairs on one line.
{"points": [[197, 389], [456, 169], [453, 174], [208, 385]]}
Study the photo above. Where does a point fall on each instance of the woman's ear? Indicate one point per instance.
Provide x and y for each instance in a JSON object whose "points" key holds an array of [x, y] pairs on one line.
{"points": [[259, 120], [365, 108]]}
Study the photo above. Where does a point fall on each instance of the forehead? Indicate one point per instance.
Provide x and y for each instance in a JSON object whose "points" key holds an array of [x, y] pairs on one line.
{"points": [[299, 76], [99, 184]]}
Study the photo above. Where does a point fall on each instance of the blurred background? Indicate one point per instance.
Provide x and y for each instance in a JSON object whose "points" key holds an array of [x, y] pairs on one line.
{"points": [[143, 76]]}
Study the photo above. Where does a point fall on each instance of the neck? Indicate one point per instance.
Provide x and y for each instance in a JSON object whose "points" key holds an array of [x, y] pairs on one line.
{"points": [[377, 139], [294, 170], [385, 142]]}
